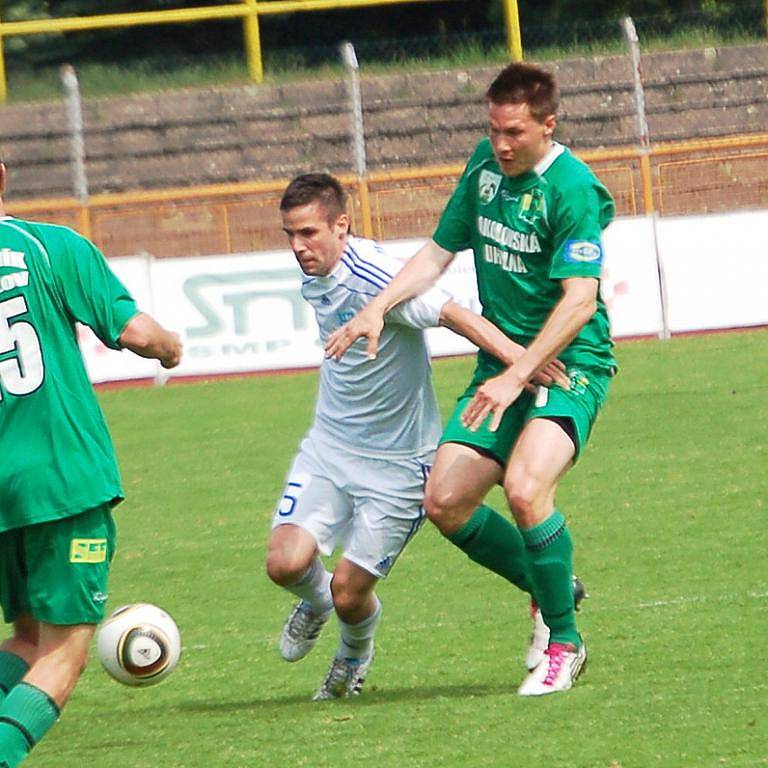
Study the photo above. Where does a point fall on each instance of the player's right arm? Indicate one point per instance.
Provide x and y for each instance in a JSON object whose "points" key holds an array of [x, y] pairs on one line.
{"points": [[145, 337], [484, 334], [420, 273]]}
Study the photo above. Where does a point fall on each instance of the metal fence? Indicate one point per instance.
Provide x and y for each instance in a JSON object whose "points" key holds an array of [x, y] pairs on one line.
{"points": [[685, 178]]}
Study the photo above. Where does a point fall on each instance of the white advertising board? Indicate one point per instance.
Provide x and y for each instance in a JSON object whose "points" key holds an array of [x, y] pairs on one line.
{"points": [[715, 270], [104, 364], [630, 279], [240, 313]]}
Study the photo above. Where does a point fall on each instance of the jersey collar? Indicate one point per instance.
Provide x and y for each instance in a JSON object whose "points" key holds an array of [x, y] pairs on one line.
{"points": [[530, 178], [545, 163]]}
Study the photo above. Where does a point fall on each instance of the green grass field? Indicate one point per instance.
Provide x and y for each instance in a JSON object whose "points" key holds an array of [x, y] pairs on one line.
{"points": [[668, 513]]}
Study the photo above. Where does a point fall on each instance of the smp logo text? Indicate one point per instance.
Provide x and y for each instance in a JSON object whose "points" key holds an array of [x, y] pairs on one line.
{"points": [[245, 313]]}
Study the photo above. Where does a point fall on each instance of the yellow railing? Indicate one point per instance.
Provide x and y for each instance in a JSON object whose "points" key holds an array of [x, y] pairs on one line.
{"points": [[248, 10], [680, 178]]}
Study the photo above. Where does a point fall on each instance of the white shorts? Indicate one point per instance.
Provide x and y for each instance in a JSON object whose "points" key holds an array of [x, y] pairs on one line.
{"points": [[371, 508]]}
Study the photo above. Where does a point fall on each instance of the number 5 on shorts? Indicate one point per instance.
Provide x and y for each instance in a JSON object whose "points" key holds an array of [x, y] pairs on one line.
{"points": [[288, 502]]}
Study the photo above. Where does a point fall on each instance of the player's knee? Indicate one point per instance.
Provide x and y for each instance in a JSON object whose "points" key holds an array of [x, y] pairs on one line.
{"points": [[521, 497], [348, 601], [285, 570], [445, 508]]}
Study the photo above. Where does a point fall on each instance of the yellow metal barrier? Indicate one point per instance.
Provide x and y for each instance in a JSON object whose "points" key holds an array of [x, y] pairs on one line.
{"points": [[512, 23], [684, 177], [248, 10]]}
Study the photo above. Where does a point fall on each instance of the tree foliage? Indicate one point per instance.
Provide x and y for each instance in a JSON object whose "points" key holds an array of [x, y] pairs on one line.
{"points": [[438, 20]]}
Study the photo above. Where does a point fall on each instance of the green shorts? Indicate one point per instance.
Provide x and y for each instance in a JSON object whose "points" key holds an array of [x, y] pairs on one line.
{"points": [[57, 571], [581, 404]]}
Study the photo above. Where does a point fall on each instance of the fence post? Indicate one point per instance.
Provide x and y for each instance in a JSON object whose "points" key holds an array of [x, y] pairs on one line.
{"points": [[349, 57], [253, 41], [512, 23], [641, 120], [646, 177], [76, 144], [3, 81]]}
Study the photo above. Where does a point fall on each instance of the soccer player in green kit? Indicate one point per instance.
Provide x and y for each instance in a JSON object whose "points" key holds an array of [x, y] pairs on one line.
{"points": [[58, 474], [533, 215]]}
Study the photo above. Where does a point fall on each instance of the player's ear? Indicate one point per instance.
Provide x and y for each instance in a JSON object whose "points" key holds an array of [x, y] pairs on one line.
{"points": [[3, 172], [550, 123], [342, 224]]}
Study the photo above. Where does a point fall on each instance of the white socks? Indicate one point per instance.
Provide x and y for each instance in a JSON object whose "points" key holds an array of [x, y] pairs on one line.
{"points": [[357, 639], [314, 587]]}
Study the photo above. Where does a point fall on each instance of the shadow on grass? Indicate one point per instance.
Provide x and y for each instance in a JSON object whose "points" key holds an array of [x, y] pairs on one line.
{"points": [[372, 697]]}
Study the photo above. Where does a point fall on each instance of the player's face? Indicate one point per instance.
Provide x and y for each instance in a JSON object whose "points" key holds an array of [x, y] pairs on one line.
{"points": [[316, 243], [519, 140]]}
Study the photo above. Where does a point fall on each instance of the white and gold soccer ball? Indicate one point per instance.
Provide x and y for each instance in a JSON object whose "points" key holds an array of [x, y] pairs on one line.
{"points": [[139, 644]]}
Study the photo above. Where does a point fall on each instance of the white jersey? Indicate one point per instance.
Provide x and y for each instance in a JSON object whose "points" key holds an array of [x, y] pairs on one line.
{"points": [[384, 407]]}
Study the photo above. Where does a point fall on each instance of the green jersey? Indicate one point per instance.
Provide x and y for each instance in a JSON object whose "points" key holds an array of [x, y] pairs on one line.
{"points": [[56, 455], [528, 233]]}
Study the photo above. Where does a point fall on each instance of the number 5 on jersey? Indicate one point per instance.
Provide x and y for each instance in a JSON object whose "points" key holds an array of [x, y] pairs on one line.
{"points": [[22, 372]]}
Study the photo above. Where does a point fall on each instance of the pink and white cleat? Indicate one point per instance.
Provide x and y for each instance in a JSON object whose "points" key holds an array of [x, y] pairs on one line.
{"points": [[557, 671]]}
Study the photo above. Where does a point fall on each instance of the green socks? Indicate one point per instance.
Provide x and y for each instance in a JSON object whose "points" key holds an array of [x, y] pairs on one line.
{"points": [[495, 543], [26, 715], [550, 559], [12, 669]]}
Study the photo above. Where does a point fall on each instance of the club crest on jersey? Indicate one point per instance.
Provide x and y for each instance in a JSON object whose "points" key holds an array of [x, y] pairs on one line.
{"points": [[532, 206], [583, 252], [488, 186]]}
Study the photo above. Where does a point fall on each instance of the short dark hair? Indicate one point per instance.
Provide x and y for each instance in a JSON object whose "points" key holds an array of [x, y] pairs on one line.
{"points": [[315, 188], [522, 83]]}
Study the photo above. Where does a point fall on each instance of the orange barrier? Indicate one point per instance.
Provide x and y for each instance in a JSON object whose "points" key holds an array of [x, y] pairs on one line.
{"points": [[676, 178]]}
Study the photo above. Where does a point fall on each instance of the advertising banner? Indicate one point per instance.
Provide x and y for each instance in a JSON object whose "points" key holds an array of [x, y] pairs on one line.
{"points": [[244, 312], [715, 270]]}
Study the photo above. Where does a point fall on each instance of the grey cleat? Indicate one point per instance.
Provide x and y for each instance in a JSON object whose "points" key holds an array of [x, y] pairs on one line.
{"points": [[301, 630], [344, 678]]}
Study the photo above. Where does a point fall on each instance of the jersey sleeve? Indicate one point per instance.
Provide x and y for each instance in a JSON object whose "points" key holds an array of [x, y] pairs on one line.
{"points": [[454, 230], [421, 311], [581, 213], [91, 291]]}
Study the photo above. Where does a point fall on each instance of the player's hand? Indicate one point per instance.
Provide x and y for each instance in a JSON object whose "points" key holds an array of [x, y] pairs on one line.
{"points": [[367, 323], [553, 373], [494, 396], [172, 357]]}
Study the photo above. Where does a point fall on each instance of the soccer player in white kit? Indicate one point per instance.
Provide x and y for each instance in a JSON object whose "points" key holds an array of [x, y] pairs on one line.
{"points": [[358, 479]]}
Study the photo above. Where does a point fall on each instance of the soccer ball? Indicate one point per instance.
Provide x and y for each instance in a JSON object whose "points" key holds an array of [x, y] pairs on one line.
{"points": [[139, 644]]}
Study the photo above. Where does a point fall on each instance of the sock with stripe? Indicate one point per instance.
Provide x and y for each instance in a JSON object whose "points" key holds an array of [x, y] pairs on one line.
{"points": [[357, 639], [26, 716], [495, 542], [314, 587], [550, 559], [12, 669]]}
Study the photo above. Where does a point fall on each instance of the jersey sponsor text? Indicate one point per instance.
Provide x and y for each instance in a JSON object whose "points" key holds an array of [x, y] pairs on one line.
{"points": [[508, 261], [523, 242]]}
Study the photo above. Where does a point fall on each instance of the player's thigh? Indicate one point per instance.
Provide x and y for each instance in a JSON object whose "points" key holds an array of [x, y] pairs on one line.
{"points": [[543, 453], [388, 511], [498, 444], [67, 564], [577, 407], [313, 502], [461, 477]]}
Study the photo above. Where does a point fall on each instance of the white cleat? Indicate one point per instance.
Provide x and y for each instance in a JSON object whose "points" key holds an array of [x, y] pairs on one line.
{"points": [[540, 633], [539, 641], [557, 672], [344, 678], [301, 630]]}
